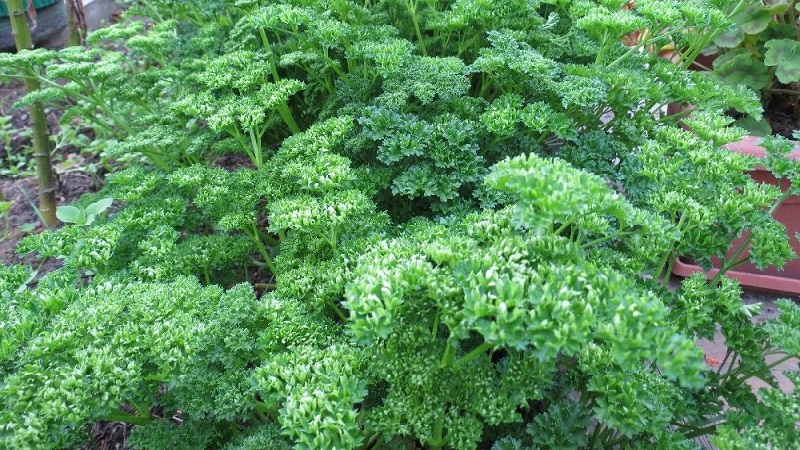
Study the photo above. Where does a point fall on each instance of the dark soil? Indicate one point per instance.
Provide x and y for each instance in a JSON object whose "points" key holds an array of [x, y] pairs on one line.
{"points": [[783, 112], [108, 436]]}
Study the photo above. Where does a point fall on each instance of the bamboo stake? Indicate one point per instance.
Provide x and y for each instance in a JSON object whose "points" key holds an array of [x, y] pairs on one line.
{"points": [[41, 146]]}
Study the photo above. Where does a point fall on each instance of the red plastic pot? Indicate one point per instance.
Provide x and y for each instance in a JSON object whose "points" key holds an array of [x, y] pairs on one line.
{"points": [[786, 281]]}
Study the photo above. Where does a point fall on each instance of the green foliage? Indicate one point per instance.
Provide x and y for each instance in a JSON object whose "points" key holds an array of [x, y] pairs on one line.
{"points": [[505, 300], [777, 429], [178, 227], [459, 216], [80, 216], [190, 332], [762, 47]]}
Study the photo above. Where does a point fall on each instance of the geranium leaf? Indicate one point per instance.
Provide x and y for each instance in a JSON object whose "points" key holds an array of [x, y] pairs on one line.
{"points": [[740, 67], [754, 19], [730, 38], [785, 54]]}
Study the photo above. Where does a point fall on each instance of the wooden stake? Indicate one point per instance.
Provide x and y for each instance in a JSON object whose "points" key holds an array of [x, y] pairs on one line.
{"points": [[76, 18]]}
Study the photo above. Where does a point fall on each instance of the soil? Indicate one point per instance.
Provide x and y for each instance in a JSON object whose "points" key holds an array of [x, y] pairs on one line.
{"points": [[108, 436], [783, 112]]}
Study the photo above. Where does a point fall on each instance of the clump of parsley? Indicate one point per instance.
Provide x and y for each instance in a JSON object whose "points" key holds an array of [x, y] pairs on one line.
{"points": [[459, 215]]}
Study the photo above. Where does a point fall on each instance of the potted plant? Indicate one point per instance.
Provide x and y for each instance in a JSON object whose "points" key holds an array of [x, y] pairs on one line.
{"points": [[761, 51]]}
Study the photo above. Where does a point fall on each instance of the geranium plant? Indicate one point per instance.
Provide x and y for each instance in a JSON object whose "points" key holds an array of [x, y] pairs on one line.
{"points": [[762, 51]]}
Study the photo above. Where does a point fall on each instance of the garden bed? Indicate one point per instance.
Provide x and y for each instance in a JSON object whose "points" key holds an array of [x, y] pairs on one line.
{"points": [[392, 224]]}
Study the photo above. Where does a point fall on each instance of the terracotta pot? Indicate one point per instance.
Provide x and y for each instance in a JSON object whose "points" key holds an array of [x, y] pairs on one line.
{"points": [[786, 281]]}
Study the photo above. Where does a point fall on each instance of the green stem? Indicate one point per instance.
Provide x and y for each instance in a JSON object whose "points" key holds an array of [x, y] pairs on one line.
{"points": [[370, 441], [563, 227], [731, 374], [288, 119], [595, 435], [256, 146], [122, 416], [254, 235], [272, 242], [735, 259], [477, 351], [448, 356], [670, 266], [412, 10], [435, 327], [338, 311], [601, 53], [778, 362], [606, 238], [608, 438], [437, 434], [333, 239], [233, 131], [785, 91], [724, 360], [268, 48], [156, 159], [711, 429]]}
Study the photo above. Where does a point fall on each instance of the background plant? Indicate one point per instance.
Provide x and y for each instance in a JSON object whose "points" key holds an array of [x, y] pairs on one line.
{"points": [[760, 50]]}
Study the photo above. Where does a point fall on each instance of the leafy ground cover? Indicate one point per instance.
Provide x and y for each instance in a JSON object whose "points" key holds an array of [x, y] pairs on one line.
{"points": [[454, 229]]}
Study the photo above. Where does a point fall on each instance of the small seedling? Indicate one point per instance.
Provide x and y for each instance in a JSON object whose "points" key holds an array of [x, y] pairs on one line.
{"points": [[27, 227], [80, 216]]}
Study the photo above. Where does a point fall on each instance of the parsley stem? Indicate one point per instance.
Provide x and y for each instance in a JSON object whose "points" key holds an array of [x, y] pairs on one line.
{"points": [[438, 428], [272, 242], [121, 416], [412, 10], [288, 119], [697, 432], [448, 356], [779, 361], [234, 132], [477, 351], [724, 360], [254, 235], [338, 311], [256, 143], [606, 238], [736, 259]]}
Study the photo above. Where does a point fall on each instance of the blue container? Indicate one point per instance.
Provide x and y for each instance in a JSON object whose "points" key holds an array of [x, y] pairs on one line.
{"points": [[39, 4]]}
